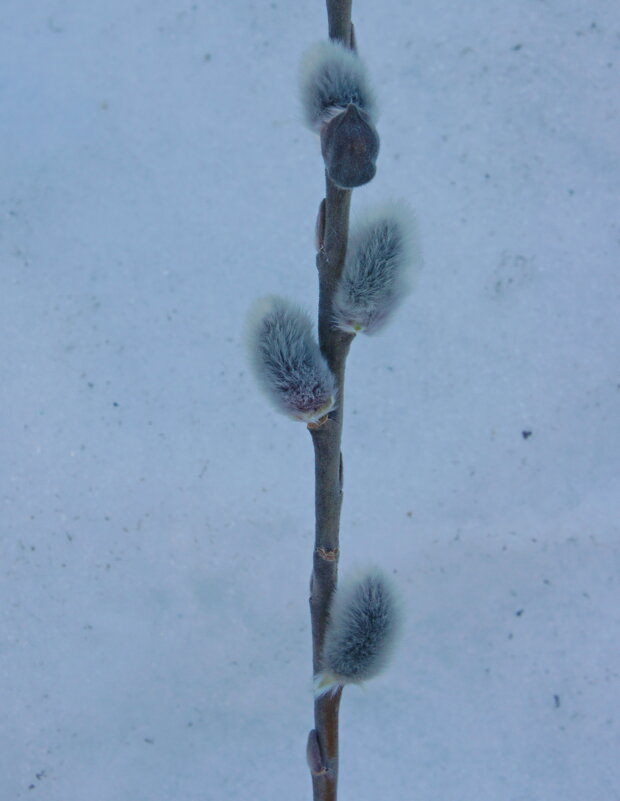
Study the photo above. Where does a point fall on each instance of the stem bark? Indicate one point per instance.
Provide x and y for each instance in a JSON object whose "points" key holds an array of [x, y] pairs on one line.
{"points": [[326, 438]]}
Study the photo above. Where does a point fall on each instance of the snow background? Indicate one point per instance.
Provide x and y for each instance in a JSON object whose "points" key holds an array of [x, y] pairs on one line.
{"points": [[156, 529]]}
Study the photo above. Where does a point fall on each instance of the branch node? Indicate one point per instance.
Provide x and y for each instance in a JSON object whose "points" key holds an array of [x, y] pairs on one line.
{"points": [[329, 555], [314, 755], [318, 423]]}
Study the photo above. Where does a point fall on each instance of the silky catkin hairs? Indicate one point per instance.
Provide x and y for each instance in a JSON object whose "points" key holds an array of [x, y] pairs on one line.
{"points": [[286, 360], [382, 262], [364, 623], [332, 77]]}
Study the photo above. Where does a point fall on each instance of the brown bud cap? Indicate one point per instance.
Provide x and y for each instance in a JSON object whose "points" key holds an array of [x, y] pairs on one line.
{"points": [[350, 145], [314, 756]]}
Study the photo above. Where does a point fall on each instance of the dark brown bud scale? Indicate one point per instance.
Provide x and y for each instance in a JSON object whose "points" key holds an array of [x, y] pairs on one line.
{"points": [[350, 146]]}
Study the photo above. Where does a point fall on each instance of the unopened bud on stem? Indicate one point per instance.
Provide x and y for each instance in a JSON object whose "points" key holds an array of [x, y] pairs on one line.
{"points": [[350, 146]]}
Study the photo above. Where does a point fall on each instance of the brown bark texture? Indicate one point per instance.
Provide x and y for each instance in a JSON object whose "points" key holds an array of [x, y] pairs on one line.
{"points": [[333, 229]]}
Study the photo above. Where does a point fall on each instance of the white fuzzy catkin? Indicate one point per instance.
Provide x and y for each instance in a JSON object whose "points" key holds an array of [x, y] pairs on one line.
{"points": [[286, 360], [331, 77], [364, 622], [381, 264]]}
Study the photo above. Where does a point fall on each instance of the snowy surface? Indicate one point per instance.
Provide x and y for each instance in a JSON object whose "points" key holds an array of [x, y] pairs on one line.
{"points": [[156, 528]]}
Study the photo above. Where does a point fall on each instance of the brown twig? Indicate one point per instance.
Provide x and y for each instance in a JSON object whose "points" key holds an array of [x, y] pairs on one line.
{"points": [[339, 20], [332, 235]]}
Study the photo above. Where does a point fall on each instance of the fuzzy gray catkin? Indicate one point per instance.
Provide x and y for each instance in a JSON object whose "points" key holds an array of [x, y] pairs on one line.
{"points": [[331, 78], [381, 264], [339, 104], [286, 360], [364, 622]]}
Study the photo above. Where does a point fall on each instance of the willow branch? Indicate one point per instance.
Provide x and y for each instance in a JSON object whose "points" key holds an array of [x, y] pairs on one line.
{"points": [[333, 230], [328, 485]]}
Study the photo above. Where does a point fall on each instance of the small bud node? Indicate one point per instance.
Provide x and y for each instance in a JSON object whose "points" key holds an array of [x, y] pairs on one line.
{"points": [[314, 755], [329, 555], [318, 423]]}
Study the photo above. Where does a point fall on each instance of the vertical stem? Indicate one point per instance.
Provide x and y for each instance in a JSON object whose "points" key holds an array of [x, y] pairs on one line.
{"points": [[339, 20], [326, 438]]}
